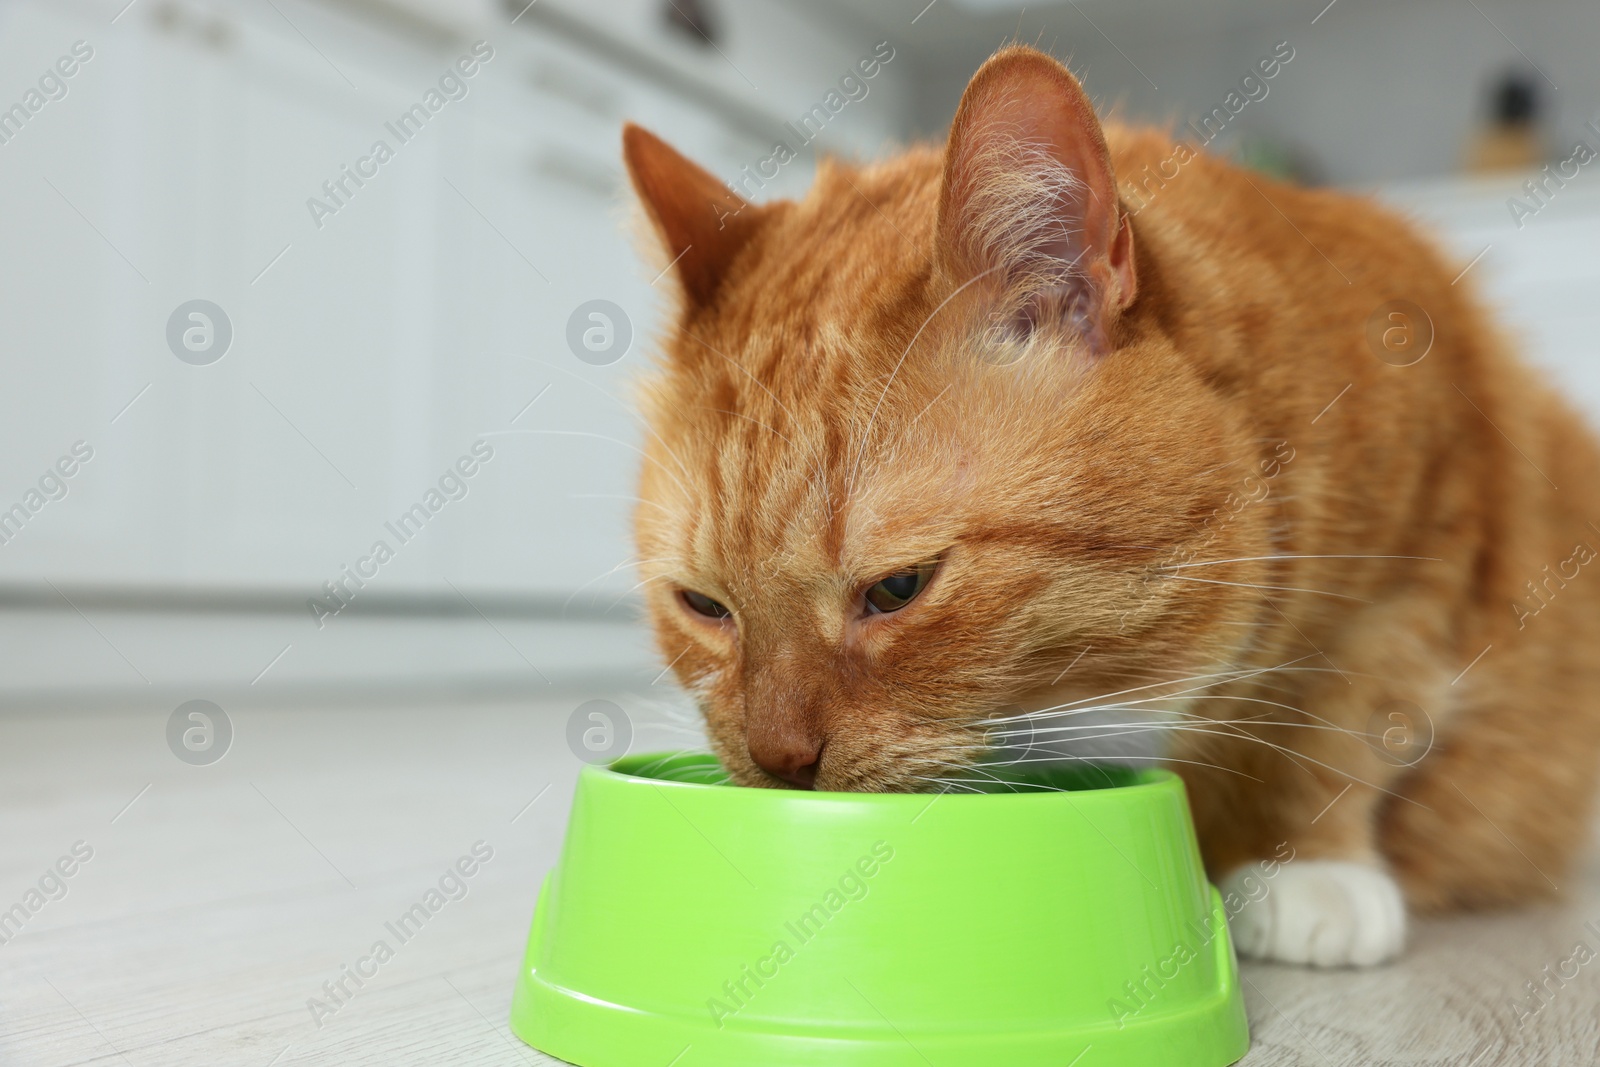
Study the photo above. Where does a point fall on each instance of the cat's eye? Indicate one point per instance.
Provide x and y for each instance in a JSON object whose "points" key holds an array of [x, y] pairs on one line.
{"points": [[900, 588], [701, 604]]}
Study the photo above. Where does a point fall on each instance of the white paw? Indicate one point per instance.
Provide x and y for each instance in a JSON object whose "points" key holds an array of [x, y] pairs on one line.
{"points": [[1326, 913]]}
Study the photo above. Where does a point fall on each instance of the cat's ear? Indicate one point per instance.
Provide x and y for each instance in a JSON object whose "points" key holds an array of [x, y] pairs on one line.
{"points": [[700, 221], [1030, 198]]}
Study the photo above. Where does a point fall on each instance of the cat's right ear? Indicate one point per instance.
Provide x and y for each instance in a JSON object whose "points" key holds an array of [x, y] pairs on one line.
{"points": [[1029, 198], [702, 224]]}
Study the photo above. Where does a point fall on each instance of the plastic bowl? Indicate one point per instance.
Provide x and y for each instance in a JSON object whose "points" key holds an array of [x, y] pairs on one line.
{"points": [[1060, 918]]}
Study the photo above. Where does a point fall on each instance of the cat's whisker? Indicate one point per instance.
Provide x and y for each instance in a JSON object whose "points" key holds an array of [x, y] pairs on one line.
{"points": [[1253, 559], [1264, 681], [606, 574], [1012, 786], [1218, 467], [1269, 588], [1213, 679], [620, 496], [929, 404], [866, 433], [1222, 678], [597, 578], [1295, 757], [1258, 700], [1173, 714], [1114, 728], [1106, 732], [1229, 696], [644, 423], [1102, 731], [950, 783], [1137, 756], [1173, 721], [638, 586], [1320, 724]]}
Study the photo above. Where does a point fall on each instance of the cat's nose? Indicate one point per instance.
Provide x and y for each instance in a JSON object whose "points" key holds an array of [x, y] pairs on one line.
{"points": [[792, 756]]}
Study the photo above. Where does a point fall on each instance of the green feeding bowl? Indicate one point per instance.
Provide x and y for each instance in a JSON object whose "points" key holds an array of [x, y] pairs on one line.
{"points": [[1058, 918]]}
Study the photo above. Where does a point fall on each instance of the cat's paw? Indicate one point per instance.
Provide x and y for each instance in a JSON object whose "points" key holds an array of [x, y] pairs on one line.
{"points": [[1326, 913]]}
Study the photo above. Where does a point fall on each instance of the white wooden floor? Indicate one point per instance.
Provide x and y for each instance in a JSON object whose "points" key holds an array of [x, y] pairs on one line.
{"points": [[223, 897]]}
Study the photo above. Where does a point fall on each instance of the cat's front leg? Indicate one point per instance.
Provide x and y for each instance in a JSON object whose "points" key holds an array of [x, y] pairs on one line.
{"points": [[1304, 791], [1295, 855], [1320, 912], [1296, 860]]}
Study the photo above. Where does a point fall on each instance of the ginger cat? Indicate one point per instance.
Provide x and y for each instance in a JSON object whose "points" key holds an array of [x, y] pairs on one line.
{"points": [[957, 445]]}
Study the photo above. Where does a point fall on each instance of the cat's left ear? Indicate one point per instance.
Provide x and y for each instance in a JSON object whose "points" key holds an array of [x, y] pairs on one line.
{"points": [[1030, 198]]}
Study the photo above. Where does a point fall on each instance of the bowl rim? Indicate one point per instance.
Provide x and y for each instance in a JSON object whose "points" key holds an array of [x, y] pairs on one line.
{"points": [[1146, 780]]}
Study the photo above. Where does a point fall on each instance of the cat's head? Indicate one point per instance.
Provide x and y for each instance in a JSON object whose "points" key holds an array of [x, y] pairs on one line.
{"points": [[920, 449]]}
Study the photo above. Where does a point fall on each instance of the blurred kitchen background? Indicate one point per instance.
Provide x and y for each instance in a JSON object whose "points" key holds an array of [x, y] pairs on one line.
{"points": [[351, 356]]}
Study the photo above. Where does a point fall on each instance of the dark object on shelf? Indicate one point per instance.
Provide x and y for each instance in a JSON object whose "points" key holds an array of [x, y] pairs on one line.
{"points": [[691, 18], [1516, 101], [1512, 138]]}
